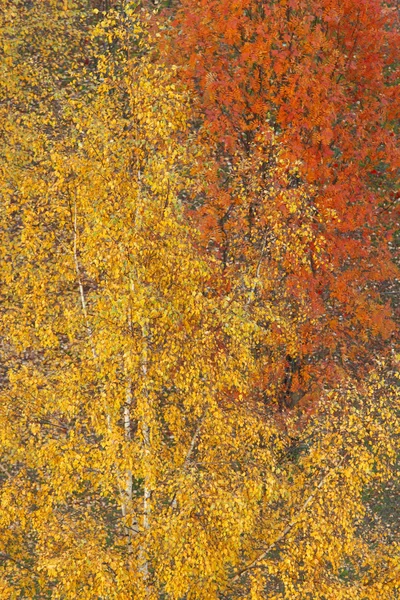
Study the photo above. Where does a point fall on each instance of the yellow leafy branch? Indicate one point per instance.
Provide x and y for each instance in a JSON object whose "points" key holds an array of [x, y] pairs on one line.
{"points": [[255, 563]]}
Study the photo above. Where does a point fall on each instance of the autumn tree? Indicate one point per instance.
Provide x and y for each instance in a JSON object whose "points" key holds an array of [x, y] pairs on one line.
{"points": [[134, 462], [116, 351], [298, 103]]}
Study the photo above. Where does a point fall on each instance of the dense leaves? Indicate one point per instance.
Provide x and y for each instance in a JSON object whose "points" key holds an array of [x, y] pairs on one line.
{"points": [[142, 455], [300, 111]]}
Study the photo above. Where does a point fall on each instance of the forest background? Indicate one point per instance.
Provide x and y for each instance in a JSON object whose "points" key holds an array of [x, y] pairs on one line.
{"points": [[199, 300]]}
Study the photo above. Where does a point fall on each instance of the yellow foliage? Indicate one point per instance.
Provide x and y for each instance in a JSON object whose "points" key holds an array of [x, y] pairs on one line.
{"points": [[132, 463]]}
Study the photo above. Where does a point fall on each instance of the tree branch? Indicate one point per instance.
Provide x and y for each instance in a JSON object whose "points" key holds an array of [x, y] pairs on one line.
{"points": [[307, 502]]}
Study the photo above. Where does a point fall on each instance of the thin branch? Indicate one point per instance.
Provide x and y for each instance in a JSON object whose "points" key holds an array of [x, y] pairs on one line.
{"points": [[252, 292], [6, 471], [256, 561], [80, 284], [189, 453], [4, 556]]}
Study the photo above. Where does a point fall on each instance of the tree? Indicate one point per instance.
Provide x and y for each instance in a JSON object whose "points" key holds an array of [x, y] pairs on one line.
{"points": [[298, 105], [134, 460], [116, 351]]}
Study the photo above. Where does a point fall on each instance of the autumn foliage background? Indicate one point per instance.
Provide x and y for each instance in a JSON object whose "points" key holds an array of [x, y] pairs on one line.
{"points": [[199, 389]]}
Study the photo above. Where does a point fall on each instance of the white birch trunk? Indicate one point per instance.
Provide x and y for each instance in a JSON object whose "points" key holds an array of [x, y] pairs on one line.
{"points": [[128, 492], [80, 284], [143, 561]]}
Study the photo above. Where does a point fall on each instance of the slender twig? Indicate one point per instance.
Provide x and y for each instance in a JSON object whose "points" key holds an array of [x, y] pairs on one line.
{"points": [[263, 246], [80, 284], [283, 534], [4, 556], [189, 453], [6, 471]]}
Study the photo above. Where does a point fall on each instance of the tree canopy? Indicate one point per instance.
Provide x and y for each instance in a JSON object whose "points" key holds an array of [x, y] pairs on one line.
{"points": [[199, 377]]}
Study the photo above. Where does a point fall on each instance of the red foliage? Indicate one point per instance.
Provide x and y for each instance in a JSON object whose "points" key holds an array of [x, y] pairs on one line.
{"points": [[318, 76]]}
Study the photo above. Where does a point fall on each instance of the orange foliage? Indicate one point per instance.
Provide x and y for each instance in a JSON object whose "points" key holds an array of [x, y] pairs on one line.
{"points": [[298, 103]]}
